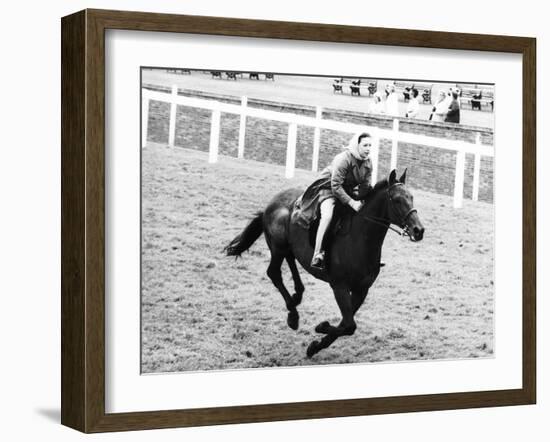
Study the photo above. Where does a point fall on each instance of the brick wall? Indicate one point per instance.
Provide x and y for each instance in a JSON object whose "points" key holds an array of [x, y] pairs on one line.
{"points": [[430, 168]]}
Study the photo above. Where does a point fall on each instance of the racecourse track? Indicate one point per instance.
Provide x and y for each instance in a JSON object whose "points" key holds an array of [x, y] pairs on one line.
{"points": [[202, 310]]}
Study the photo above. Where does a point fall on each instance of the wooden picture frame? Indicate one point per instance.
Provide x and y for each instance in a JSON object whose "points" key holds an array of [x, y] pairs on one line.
{"points": [[83, 220]]}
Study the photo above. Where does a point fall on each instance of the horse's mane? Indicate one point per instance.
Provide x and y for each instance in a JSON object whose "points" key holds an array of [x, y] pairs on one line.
{"points": [[382, 184]]}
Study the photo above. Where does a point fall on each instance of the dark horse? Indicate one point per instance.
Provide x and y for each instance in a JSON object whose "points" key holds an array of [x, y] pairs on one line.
{"points": [[353, 254]]}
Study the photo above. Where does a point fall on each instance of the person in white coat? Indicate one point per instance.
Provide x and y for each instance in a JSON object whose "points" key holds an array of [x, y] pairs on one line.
{"points": [[377, 106], [439, 111], [392, 106]]}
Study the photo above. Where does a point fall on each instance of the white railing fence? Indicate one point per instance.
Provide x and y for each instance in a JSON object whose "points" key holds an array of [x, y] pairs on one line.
{"points": [[243, 110]]}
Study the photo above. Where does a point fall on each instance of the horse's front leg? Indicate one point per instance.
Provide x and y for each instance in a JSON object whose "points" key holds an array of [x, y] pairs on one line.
{"points": [[357, 299], [346, 327]]}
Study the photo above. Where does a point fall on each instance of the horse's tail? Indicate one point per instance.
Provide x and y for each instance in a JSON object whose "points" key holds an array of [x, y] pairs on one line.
{"points": [[246, 238]]}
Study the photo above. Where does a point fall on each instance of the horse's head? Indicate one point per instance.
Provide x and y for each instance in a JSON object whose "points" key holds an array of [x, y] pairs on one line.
{"points": [[398, 202], [401, 211]]}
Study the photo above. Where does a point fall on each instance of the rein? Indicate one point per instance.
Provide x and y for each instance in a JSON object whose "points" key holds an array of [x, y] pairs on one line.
{"points": [[387, 222]]}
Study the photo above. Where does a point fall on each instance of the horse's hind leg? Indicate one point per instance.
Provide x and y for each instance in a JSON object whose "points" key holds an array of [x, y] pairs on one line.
{"points": [[274, 273], [298, 285]]}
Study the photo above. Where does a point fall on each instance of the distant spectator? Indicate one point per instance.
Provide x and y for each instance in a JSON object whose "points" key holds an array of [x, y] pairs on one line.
{"points": [[377, 106], [453, 111], [439, 111], [392, 106], [414, 105]]}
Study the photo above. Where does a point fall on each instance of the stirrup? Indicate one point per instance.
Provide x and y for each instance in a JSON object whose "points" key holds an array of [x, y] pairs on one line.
{"points": [[318, 261]]}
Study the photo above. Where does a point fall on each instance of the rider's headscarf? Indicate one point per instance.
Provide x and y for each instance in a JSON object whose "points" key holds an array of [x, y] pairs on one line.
{"points": [[353, 145]]}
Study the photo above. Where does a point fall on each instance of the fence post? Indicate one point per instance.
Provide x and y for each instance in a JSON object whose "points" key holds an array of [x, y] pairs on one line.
{"points": [[291, 150], [316, 141], [477, 169], [144, 119], [214, 136], [393, 162], [459, 178], [172, 126], [242, 127]]}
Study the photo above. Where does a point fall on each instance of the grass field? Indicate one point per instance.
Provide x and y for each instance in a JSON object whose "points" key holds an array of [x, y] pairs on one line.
{"points": [[202, 310]]}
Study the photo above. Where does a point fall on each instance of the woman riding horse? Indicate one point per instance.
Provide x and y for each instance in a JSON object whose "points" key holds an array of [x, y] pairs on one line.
{"points": [[349, 169], [355, 252]]}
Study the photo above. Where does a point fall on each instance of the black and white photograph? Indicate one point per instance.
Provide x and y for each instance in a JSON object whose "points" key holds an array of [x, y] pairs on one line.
{"points": [[291, 220], [275, 221]]}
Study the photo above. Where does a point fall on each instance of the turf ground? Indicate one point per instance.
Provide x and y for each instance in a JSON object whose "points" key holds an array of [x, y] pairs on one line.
{"points": [[202, 310]]}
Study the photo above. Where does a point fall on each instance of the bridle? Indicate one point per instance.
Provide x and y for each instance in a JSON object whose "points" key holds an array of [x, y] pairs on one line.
{"points": [[392, 206], [386, 222]]}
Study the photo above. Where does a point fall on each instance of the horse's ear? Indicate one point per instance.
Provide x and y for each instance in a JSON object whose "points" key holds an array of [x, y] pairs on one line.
{"points": [[393, 179], [403, 177]]}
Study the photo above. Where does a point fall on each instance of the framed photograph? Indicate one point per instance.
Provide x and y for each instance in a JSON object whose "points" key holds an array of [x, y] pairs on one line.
{"points": [[268, 221]]}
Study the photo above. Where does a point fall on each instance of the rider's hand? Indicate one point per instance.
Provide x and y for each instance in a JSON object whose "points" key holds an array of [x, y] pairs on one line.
{"points": [[355, 205]]}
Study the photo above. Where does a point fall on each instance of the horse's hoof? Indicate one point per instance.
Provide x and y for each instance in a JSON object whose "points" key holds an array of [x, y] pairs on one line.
{"points": [[323, 327], [312, 349], [293, 320]]}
